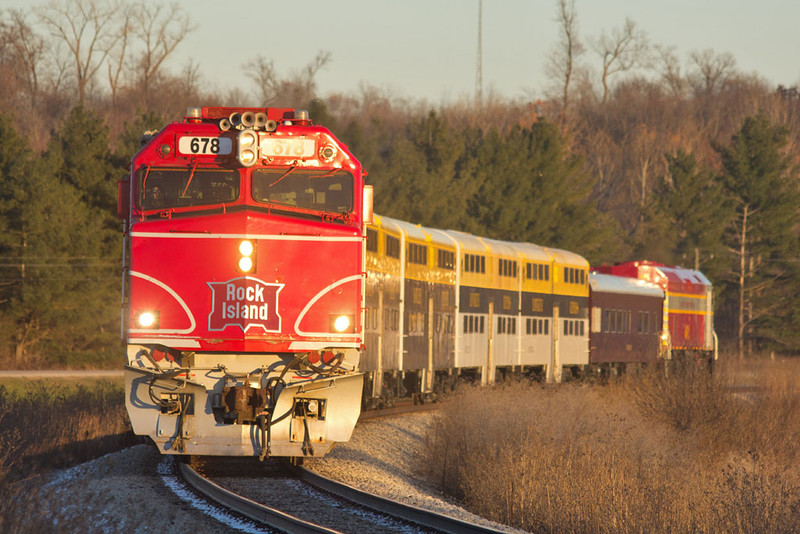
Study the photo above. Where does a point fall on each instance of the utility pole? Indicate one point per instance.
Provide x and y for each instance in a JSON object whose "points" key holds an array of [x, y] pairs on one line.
{"points": [[479, 74]]}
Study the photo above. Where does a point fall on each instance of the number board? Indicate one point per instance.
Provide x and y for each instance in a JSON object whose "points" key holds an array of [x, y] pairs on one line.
{"points": [[288, 147], [205, 146]]}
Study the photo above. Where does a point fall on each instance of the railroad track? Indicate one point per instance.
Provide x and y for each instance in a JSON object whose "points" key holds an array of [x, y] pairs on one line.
{"points": [[318, 504], [294, 499]]}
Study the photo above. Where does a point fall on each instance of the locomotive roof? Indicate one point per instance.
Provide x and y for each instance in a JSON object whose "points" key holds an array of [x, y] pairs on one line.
{"points": [[671, 278], [609, 283]]}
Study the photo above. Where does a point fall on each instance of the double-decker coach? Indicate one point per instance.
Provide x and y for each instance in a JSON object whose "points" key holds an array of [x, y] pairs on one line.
{"points": [[444, 303]]}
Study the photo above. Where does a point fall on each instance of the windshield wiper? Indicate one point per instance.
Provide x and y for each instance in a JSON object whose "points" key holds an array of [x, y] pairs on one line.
{"points": [[284, 175], [191, 175]]}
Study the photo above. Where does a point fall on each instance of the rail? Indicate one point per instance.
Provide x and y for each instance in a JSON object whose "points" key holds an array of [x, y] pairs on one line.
{"points": [[250, 509], [419, 516]]}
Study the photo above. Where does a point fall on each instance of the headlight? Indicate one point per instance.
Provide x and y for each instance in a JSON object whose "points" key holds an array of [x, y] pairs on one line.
{"points": [[146, 319], [246, 264], [342, 323], [247, 261], [246, 248]]}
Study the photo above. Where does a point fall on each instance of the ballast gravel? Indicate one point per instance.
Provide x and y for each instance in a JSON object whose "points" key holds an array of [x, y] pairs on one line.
{"points": [[135, 490]]}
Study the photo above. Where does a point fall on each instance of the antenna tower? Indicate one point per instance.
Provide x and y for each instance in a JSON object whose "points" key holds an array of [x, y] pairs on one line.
{"points": [[479, 74]]}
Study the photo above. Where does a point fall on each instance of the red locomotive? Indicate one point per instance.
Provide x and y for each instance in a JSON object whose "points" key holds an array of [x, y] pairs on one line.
{"points": [[244, 284]]}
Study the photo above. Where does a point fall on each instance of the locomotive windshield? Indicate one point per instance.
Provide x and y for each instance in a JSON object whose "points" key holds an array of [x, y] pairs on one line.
{"points": [[325, 190], [175, 188]]}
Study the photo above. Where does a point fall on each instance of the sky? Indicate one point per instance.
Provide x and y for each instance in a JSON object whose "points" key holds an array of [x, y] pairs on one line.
{"points": [[427, 49]]}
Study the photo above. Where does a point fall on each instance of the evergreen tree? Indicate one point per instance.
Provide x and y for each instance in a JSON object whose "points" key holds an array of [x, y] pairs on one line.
{"points": [[367, 148], [15, 167], [81, 148], [61, 277], [685, 220], [532, 189], [442, 194], [764, 185], [131, 139]]}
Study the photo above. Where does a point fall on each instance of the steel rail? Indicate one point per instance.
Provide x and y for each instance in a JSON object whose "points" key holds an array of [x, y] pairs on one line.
{"points": [[251, 509], [283, 521], [419, 516]]}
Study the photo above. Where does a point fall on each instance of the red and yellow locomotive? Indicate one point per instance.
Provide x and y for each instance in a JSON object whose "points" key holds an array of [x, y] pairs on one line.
{"points": [[243, 289]]}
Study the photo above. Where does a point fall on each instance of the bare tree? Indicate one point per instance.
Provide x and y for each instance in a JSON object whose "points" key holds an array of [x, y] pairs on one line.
{"points": [[28, 50], [622, 50], [118, 55], [10, 84], [161, 29], [644, 151], [190, 79], [262, 71], [87, 28], [670, 69], [712, 71], [300, 88], [561, 62]]}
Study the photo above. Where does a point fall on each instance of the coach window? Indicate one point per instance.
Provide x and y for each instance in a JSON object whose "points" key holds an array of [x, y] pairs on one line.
{"points": [[474, 263], [417, 254], [392, 247], [372, 240], [445, 259]]}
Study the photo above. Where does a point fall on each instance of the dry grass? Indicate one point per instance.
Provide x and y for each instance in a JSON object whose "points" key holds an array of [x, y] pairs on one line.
{"points": [[46, 427], [643, 454]]}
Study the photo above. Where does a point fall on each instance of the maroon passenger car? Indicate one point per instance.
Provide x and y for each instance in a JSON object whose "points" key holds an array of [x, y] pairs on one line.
{"points": [[626, 320]]}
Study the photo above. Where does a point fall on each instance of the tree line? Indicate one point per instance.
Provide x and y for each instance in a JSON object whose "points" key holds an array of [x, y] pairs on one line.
{"points": [[630, 160]]}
